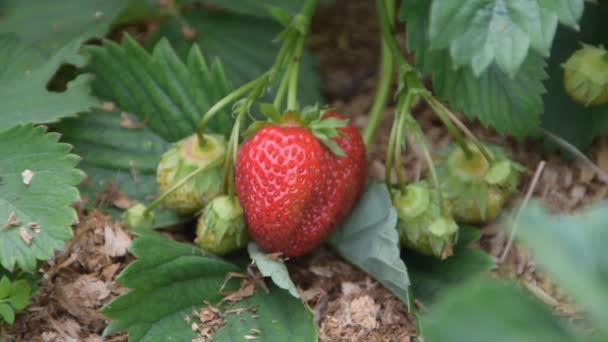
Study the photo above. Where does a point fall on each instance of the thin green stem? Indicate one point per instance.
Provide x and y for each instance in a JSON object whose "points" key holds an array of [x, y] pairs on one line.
{"points": [[387, 32], [233, 144], [429, 159], [181, 182], [439, 110], [388, 163], [399, 141], [281, 91], [384, 83], [200, 130], [294, 75]]}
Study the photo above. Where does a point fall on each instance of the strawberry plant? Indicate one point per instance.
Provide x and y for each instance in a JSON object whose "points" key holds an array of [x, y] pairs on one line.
{"points": [[208, 117]]}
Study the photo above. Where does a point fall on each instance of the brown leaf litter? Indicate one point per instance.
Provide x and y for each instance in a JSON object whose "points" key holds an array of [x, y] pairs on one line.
{"points": [[77, 282]]}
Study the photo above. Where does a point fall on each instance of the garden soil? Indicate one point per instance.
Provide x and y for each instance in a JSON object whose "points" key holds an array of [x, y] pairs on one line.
{"points": [[347, 304]]}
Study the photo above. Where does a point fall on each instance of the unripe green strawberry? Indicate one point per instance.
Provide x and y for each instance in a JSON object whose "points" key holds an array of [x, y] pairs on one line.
{"points": [[136, 217], [221, 227], [586, 75], [475, 188], [182, 159], [421, 224]]}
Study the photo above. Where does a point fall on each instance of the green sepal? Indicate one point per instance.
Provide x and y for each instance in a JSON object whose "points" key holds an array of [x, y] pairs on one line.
{"points": [[476, 189], [422, 224], [136, 217], [221, 227]]}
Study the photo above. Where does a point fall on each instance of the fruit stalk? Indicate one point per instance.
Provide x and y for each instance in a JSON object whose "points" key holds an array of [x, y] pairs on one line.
{"points": [[384, 83], [200, 129]]}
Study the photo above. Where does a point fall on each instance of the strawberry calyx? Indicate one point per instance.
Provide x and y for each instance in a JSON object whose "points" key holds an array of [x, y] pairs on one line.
{"points": [[221, 227], [319, 120], [422, 224], [476, 189]]}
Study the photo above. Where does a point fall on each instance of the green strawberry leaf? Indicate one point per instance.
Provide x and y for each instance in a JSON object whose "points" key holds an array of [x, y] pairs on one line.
{"points": [[510, 103], [245, 45], [20, 294], [489, 310], [169, 94], [180, 279], [24, 75], [432, 277], [37, 190], [571, 249], [273, 268], [7, 313], [368, 239], [51, 25], [479, 33], [5, 287], [117, 157], [564, 117]]}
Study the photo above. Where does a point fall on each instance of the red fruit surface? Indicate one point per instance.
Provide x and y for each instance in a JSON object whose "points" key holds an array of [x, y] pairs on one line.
{"points": [[293, 189]]}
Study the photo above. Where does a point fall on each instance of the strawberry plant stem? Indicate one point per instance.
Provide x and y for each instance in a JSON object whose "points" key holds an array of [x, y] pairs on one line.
{"points": [[439, 110], [294, 74], [200, 129], [384, 83], [388, 163], [400, 141], [181, 182]]}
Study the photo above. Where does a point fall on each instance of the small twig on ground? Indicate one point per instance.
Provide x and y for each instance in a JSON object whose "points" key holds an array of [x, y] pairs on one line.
{"points": [[537, 174], [601, 175]]}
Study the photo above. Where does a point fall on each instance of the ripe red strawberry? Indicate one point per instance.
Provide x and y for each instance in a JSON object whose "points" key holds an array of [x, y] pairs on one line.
{"points": [[293, 189]]}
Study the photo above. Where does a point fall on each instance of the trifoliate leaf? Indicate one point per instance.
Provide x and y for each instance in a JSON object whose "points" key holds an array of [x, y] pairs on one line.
{"points": [[489, 310], [24, 75], [168, 94], [368, 239], [116, 158], [35, 215], [273, 268], [50, 25], [511, 104], [575, 123], [431, 277], [245, 45], [479, 33], [171, 281], [572, 249]]}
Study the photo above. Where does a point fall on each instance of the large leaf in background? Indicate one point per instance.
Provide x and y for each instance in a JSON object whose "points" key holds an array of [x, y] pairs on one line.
{"points": [[479, 33], [431, 277], [115, 156], [50, 25], [488, 310], [35, 218], [244, 44], [159, 88], [168, 95], [568, 119], [368, 239], [24, 74], [573, 250], [170, 280], [510, 104]]}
